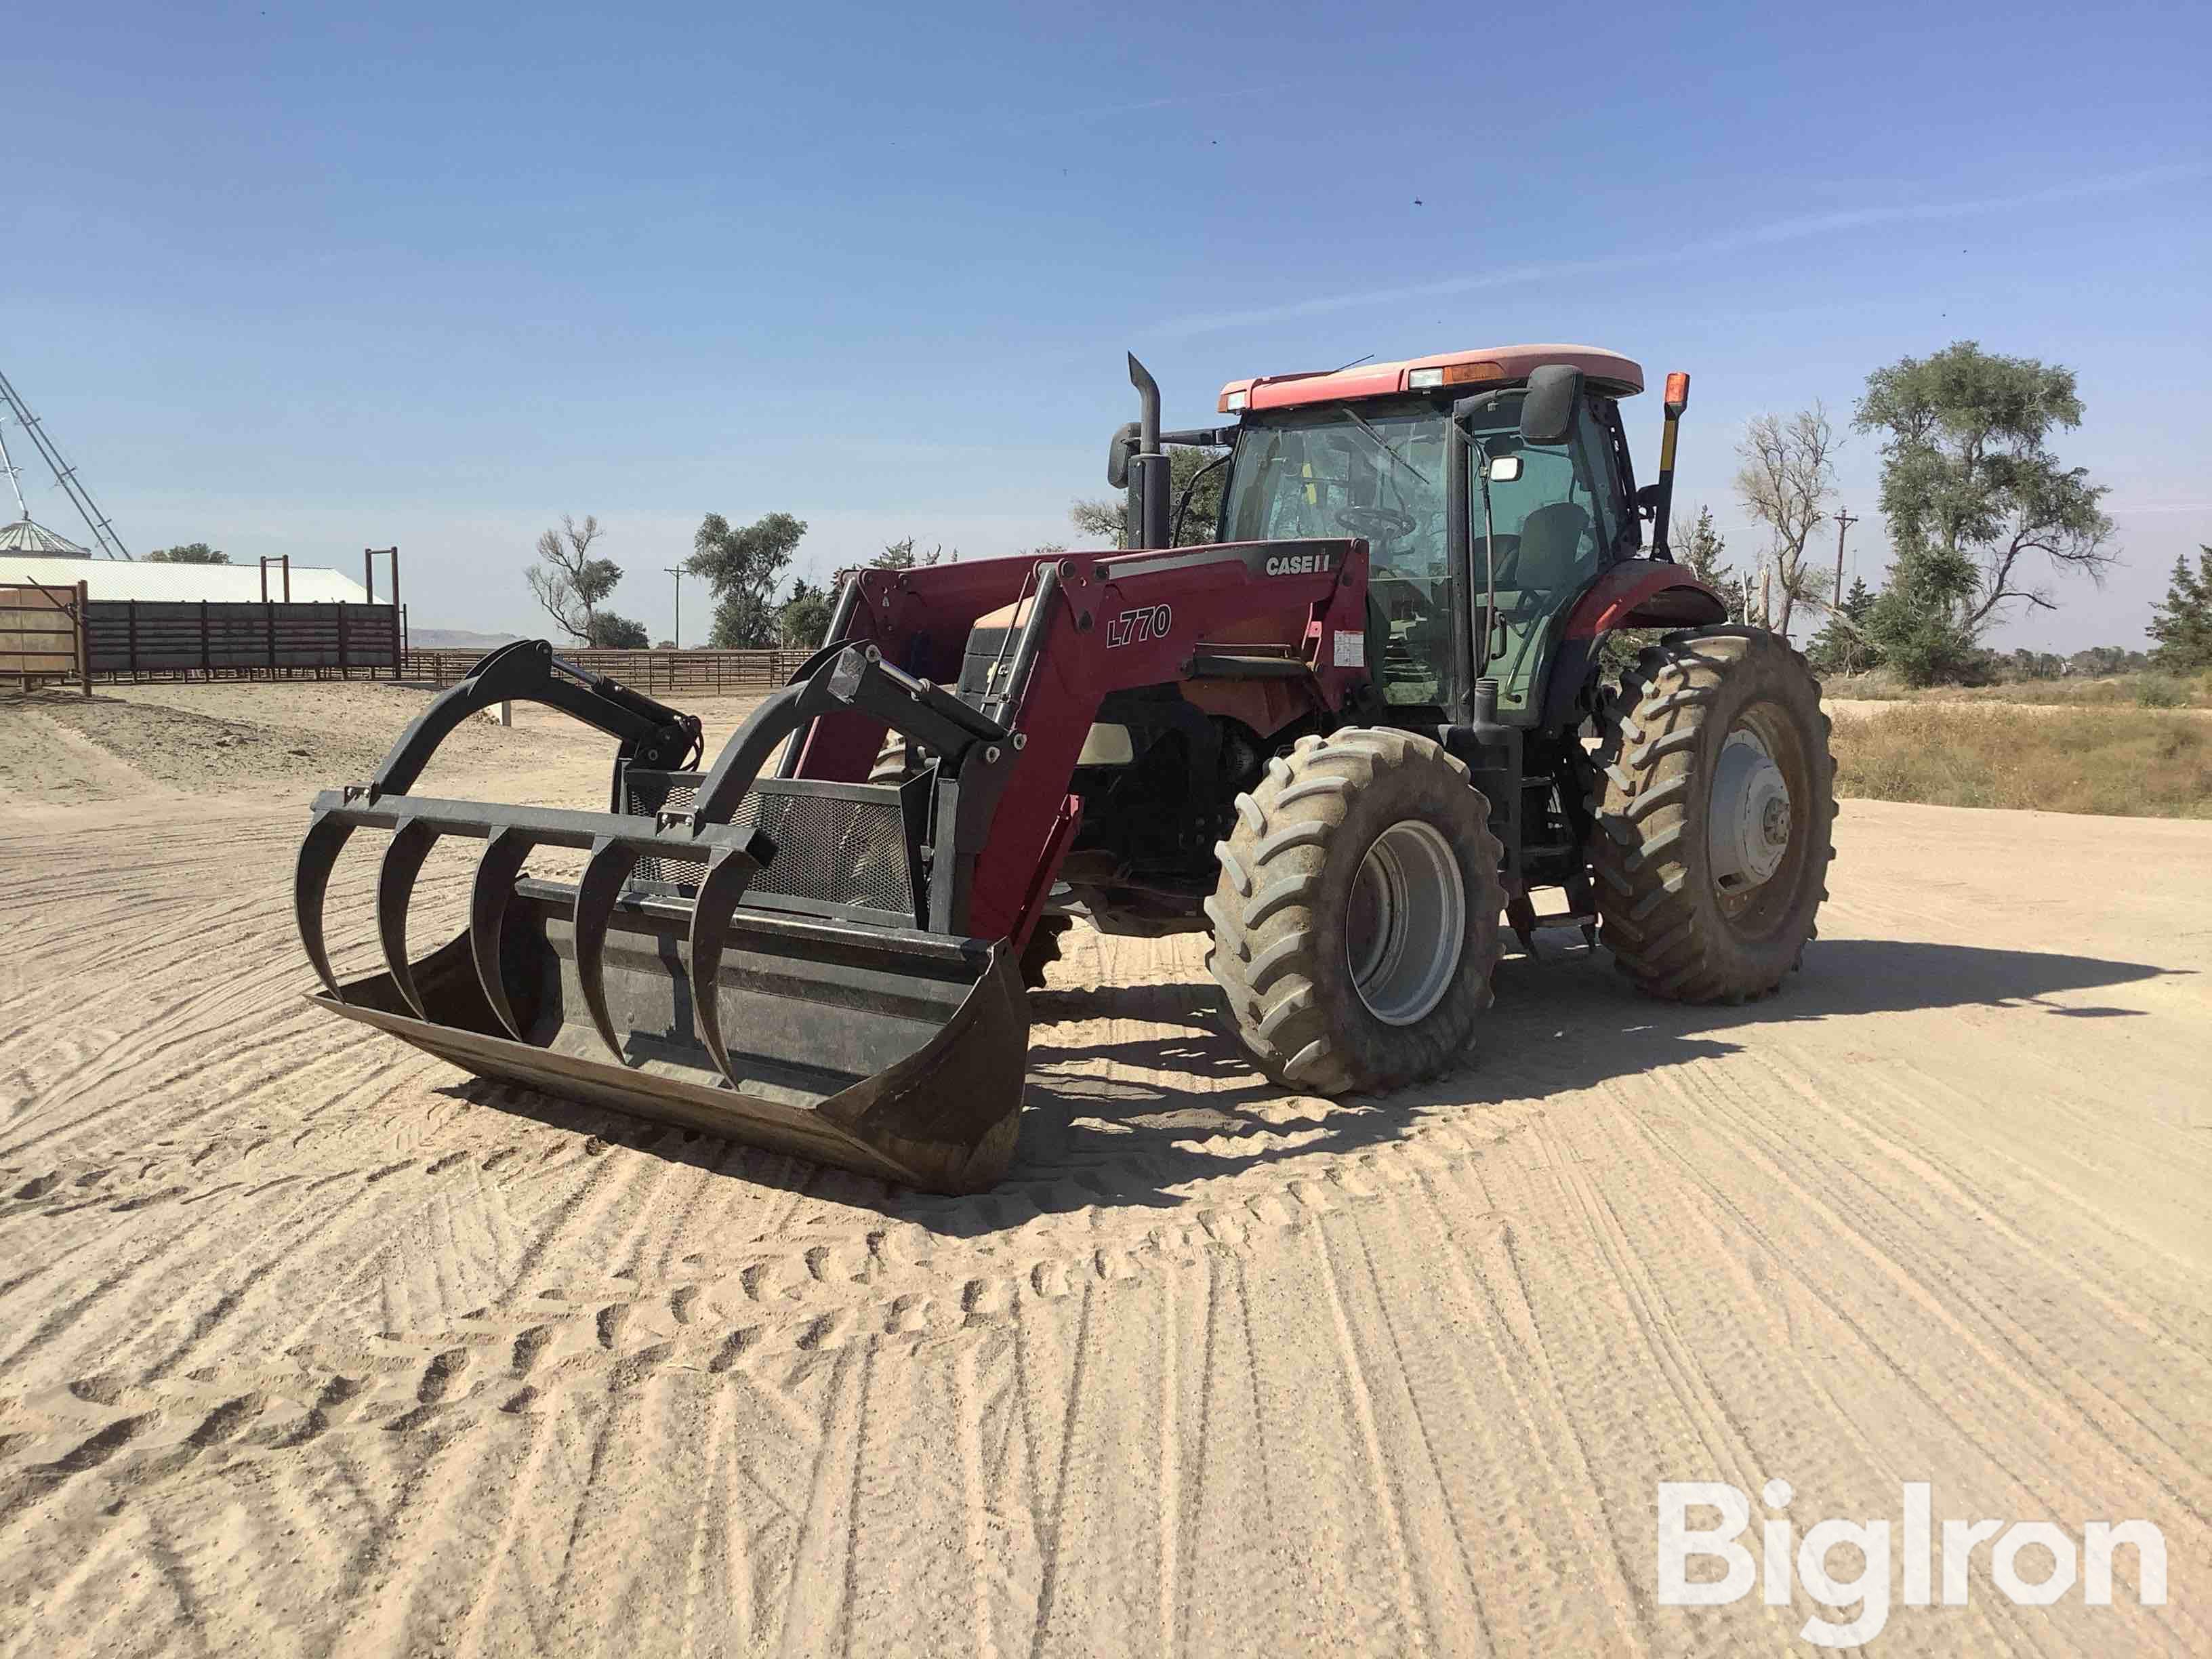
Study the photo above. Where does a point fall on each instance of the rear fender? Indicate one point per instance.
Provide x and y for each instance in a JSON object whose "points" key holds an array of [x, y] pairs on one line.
{"points": [[1634, 593], [1644, 593]]}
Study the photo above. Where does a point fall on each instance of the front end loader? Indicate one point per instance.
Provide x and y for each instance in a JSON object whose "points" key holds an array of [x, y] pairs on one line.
{"points": [[1345, 737]]}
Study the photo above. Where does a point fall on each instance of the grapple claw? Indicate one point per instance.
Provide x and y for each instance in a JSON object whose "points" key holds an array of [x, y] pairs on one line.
{"points": [[712, 912], [496, 871], [800, 1003], [395, 887], [610, 865], [311, 880]]}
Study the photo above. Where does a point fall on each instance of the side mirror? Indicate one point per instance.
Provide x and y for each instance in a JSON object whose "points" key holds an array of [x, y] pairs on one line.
{"points": [[1547, 413], [1119, 449]]}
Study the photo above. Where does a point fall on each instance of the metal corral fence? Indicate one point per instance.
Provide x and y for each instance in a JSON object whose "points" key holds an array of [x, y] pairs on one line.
{"points": [[42, 633], [710, 673], [172, 639]]}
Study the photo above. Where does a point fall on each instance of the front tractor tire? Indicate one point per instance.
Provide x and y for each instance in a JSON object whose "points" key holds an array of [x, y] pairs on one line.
{"points": [[1715, 803], [1355, 924]]}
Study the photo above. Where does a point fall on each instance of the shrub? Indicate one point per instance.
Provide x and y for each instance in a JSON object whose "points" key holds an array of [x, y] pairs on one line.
{"points": [[2052, 760]]}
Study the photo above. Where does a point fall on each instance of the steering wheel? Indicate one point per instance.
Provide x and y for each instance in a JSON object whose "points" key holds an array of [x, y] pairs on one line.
{"points": [[1377, 524]]}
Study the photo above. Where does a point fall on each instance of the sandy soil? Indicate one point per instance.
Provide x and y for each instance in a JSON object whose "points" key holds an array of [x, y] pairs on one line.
{"points": [[308, 1343]]}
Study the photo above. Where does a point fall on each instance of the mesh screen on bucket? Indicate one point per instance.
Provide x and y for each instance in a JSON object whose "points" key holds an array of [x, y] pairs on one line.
{"points": [[844, 848]]}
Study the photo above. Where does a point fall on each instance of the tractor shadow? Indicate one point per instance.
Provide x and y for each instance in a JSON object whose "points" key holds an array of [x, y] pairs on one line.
{"points": [[1146, 1118], [1136, 1118]]}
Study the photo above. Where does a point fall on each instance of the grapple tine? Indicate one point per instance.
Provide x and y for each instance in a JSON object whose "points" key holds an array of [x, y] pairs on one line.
{"points": [[488, 901], [602, 883], [395, 889], [311, 880], [712, 911]]}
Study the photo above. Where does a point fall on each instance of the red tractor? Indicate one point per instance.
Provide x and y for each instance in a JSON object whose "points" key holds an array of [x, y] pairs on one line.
{"points": [[1345, 736]]}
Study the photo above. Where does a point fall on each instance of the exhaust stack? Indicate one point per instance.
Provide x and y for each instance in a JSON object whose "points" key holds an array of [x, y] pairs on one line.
{"points": [[1149, 480]]}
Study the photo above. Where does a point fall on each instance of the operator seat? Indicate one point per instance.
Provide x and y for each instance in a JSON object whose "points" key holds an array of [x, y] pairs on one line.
{"points": [[1550, 557]]}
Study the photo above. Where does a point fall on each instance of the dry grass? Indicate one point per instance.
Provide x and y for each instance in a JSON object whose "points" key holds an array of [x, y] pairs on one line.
{"points": [[2134, 690], [2121, 761]]}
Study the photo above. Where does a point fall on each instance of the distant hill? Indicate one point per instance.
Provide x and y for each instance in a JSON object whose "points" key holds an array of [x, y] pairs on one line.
{"points": [[455, 639]]}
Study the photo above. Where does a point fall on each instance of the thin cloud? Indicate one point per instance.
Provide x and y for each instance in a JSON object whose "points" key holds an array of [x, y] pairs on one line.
{"points": [[1798, 228], [1223, 96]]}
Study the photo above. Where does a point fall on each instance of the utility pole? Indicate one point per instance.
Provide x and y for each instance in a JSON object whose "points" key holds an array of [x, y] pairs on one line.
{"points": [[1843, 521], [677, 571]]}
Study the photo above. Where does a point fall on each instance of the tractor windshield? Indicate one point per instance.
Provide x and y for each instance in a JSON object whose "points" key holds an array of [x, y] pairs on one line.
{"points": [[1378, 471]]}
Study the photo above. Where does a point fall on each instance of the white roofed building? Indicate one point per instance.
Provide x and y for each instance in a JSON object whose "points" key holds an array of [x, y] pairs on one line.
{"points": [[120, 579]]}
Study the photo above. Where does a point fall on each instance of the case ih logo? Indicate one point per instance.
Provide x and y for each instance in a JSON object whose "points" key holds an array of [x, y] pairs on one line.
{"points": [[1299, 564], [1149, 622]]}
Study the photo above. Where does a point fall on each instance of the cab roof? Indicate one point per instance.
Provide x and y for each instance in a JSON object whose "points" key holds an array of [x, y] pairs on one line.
{"points": [[1608, 372]]}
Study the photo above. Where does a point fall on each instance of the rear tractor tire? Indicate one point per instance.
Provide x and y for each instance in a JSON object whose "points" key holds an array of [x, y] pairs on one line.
{"points": [[1355, 924], [1716, 798]]}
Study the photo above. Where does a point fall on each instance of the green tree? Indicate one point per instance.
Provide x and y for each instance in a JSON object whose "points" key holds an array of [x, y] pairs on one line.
{"points": [[2027, 663], [611, 633], [744, 566], [2099, 660], [188, 553], [1976, 503], [805, 617], [568, 583], [1104, 519], [2181, 623], [1843, 647]]}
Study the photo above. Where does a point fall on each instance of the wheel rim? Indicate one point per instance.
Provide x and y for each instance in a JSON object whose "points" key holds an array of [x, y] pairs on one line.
{"points": [[1405, 925], [1760, 821], [1751, 817]]}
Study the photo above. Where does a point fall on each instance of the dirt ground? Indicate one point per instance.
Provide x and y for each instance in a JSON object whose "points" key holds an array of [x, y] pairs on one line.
{"points": [[309, 1343]]}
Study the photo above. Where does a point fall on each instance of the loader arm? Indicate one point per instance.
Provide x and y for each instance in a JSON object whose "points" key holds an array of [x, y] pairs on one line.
{"points": [[650, 733], [1088, 624]]}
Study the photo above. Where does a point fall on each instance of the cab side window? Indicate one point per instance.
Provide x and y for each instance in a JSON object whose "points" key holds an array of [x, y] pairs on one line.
{"points": [[1595, 463]]}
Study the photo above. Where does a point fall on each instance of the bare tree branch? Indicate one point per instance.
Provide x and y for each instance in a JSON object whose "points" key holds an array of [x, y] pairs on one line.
{"points": [[1785, 483], [570, 583]]}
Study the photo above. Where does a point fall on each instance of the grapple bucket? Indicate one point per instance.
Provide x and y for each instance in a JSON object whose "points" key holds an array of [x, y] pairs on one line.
{"points": [[896, 1052], [742, 954]]}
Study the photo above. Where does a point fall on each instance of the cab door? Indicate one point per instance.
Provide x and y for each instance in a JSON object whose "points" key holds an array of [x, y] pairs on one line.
{"points": [[1556, 522]]}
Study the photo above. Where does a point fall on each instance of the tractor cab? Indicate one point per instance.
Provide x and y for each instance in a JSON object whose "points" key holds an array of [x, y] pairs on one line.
{"points": [[1493, 529]]}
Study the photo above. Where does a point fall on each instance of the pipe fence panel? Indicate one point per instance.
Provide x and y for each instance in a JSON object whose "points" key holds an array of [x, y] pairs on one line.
{"points": [[710, 673], [174, 637], [42, 633]]}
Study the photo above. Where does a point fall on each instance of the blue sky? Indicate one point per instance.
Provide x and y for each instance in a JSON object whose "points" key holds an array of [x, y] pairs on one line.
{"points": [[299, 281]]}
